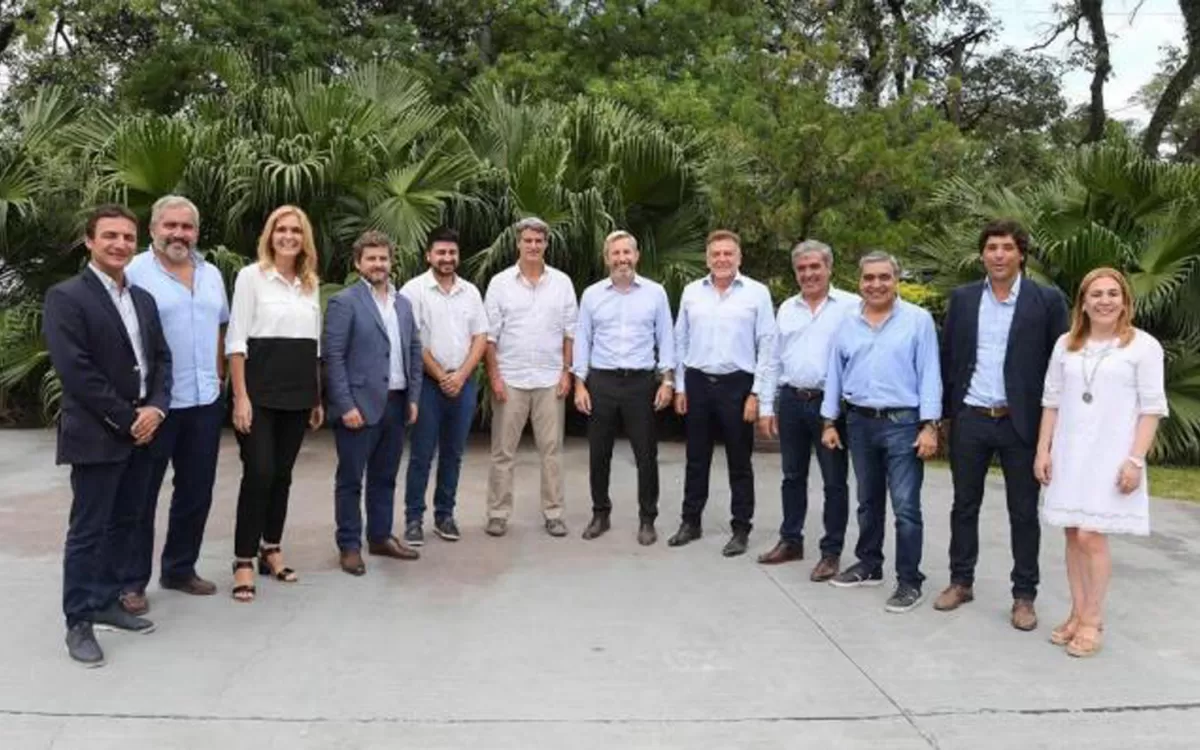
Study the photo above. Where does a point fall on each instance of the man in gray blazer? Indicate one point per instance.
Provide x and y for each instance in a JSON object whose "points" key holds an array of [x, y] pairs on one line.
{"points": [[372, 355]]}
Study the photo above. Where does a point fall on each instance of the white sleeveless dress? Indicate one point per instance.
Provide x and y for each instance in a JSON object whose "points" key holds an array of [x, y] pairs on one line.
{"points": [[1092, 440]]}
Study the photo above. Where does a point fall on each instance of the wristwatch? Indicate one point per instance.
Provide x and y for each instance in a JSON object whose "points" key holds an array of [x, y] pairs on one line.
{"points": [[934, 423], [1138, 462]]}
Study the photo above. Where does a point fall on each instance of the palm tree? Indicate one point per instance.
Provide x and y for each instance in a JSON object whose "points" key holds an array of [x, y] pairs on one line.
{"points": [[1104, 206]]}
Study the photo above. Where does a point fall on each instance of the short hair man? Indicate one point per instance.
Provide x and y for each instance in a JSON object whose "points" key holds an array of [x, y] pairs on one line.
{"points": [[107, 345], [624, 369], [372, 356], [531, 311]]}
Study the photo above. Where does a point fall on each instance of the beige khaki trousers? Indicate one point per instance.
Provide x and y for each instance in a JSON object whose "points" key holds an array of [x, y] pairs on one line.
{"points": [[546, 411]]}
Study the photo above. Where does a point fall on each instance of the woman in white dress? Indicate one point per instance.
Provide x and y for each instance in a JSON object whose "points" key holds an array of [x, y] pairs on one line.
{"points": [[1103, 399]]}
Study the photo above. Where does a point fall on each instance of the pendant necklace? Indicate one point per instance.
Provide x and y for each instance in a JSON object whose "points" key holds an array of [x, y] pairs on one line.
{"points": [[1088, 379]]}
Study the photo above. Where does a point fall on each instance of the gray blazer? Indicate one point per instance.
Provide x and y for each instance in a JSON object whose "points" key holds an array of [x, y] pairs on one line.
{"points": [[356, 352]]}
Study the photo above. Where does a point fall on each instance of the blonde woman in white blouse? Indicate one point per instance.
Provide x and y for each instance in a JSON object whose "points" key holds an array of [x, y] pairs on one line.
{"points": [[273, 348], [1103, 399]]}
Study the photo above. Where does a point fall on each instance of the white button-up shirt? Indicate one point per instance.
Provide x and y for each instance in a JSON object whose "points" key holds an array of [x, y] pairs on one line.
{"points": [[720, 333], [447, 320], [528, 322], [124, 301], [266, 305], [802, 349], [391, 323]]}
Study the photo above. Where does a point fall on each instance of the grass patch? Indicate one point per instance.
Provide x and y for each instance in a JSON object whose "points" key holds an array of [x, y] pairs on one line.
{"points": [[1174, 482]]}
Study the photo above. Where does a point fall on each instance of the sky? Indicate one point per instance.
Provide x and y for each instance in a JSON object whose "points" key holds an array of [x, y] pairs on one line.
{"points": [[1134, 48]]}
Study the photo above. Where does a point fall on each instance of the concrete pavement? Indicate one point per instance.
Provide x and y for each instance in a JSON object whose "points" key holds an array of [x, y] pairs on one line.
{"points": [[534, 642]]}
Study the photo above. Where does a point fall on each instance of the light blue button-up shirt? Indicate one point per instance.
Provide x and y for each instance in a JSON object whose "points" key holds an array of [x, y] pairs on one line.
{"points": [[391, 323], [894, 365], [723, 333], [624, 330], [191, 321], [995, 320], [802, 349]]}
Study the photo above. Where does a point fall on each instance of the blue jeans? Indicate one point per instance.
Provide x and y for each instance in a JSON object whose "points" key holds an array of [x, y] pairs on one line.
{"points": [[800, 427], [373, 449], [886, 461], [443, 424]]}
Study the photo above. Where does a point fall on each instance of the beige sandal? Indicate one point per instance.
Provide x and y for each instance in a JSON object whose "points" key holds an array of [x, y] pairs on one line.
{"points": [[1087, 641], [1063, 634]]}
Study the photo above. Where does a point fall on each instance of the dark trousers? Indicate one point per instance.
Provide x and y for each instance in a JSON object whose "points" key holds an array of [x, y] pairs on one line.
{"points": [[800, 427], [189, 439], [974, 439], [885, 461], [443, 424], [108, 500], [715, 407], [623, 399], [269, 452], [374, 450]]}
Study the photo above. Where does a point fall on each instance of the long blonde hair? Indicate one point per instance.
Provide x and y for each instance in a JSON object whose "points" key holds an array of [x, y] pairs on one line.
{"points": [[306, 262], [1080, 323]]}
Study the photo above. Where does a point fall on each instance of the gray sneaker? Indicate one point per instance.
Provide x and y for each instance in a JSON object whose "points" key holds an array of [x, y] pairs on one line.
{"points": [[856, 575], [496, 527], [414, 533], [82, 645], [904, 598], [447, 529], [556, 527], [114, 619]]}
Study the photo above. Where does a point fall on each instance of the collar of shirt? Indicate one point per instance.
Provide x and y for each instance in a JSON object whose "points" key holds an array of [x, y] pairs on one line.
{"points": [[832, 295], [526, 281], [431, 282], [637, 282], [1012, 293], [273, 273], [737, 280], [391, 293], [195, 257], [109, 283], [897, 306]]}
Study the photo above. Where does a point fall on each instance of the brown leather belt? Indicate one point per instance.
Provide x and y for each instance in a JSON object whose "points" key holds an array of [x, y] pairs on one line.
{"points": [[807, 394], [993, 412]]}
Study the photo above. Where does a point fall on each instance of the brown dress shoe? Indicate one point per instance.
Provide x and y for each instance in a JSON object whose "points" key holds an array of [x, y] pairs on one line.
{"points": [[1024, 617], [393, 547], [782, 552], [954, 597], [134, 603], [827, 568], [196, 586], [352, 562]]}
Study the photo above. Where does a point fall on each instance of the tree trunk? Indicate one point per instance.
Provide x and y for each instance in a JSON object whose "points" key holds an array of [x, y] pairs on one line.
{"points": [[1093, 12], [1177, 87], [873, 68]]}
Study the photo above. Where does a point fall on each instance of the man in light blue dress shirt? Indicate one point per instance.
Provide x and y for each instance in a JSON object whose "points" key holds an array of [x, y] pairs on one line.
{"points": [[884, 364], [791, 408], [624, 364], [194, 309], [724, 341]]}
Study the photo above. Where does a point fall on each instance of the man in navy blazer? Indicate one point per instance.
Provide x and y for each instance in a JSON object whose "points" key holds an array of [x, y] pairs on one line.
{"points": [[107, 345], [998, 336], [372, 354]]}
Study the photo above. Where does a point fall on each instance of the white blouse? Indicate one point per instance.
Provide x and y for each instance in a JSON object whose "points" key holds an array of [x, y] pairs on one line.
{"points": [[266, 305]]}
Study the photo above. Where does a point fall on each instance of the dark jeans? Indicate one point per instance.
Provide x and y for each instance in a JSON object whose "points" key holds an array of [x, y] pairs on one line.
{"points": [[443, 424], [715, 407], [374, 450], [108, 500], [189, 439], [623, 399], [885, 461], [974, 439], [268, 454], [800, 426]]}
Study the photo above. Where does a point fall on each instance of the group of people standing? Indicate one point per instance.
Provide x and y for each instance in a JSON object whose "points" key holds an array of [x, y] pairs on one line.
{"points": [[143, 343]]}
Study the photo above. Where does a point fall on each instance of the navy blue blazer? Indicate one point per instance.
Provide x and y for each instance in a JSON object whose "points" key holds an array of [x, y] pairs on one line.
{"points": [[93, 356], [1039, 319], [357, 353]]}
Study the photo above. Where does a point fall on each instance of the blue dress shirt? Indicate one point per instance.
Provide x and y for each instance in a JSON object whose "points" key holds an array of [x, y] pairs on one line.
{"points": [[723, 333], [802, 349], [191, 321], [623, 330], [894, 365], [995, 320]]}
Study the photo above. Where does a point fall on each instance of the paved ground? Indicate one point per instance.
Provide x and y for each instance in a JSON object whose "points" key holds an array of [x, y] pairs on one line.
{"points": [[531, 642]]}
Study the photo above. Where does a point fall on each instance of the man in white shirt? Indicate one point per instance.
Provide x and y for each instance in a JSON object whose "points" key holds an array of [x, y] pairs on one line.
{"points": [[791, 408], [531, 311], [453, 327]]}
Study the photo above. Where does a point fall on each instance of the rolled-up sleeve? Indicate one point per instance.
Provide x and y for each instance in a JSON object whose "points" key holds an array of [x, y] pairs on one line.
{"points": [[493, 306], [241, 312], [581, 354], [681, 343], [765, 333], [570, 309], [664, 333], [1151, 383]]}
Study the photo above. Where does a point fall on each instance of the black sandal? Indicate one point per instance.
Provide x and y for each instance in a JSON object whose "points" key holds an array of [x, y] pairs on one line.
{"points": [[243, 593], [287, 575]]}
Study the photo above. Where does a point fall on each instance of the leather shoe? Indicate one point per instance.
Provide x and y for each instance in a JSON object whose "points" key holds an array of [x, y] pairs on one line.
{"points": [[955, 595], [393, 547], [195, 585], [687, 533], [646, 534], [352, 562], [782, 552], [826, 569], [134, 603], [737, 544], [1024, 617], [598, 526]]}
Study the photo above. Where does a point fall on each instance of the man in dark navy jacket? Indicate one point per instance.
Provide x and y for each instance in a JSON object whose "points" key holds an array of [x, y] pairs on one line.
{"points": [[106, 344], [997, 341]]}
